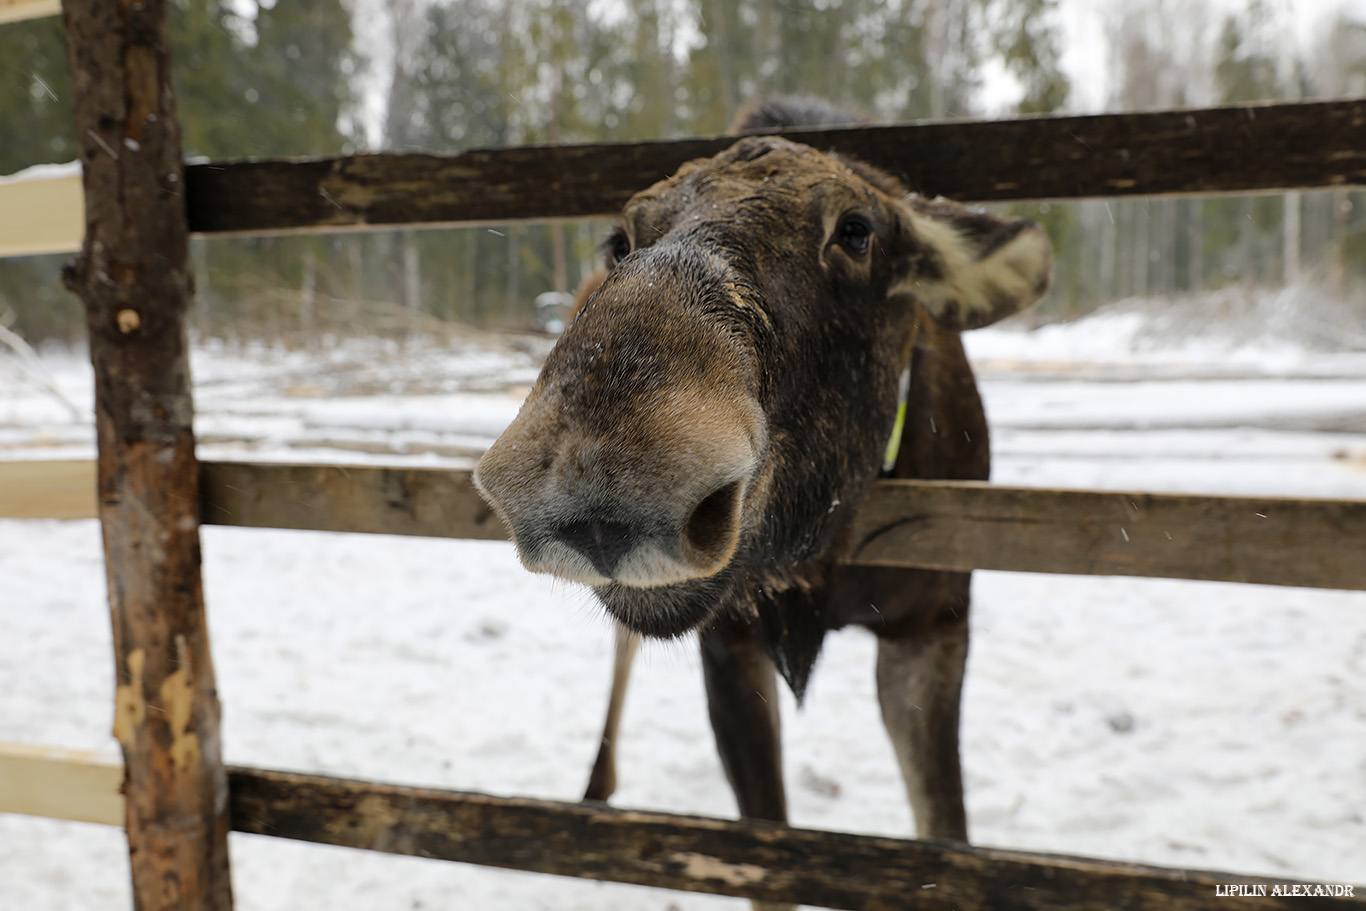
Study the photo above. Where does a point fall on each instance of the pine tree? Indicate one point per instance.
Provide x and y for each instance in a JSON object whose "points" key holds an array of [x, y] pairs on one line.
{"points": [[1025, 36], [36, 127], [35, 96], [1242, 236]]}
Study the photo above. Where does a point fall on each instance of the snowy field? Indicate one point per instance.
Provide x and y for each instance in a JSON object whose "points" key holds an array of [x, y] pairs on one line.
{"points": [[1188, 724]]}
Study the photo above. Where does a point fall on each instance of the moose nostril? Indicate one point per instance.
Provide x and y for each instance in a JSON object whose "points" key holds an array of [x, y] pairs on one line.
{"points": [[603, 543], [713, 528]]}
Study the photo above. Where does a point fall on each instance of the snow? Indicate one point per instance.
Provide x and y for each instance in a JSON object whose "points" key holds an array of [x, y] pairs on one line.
{"points": [[1188, 724], [43, 172]]}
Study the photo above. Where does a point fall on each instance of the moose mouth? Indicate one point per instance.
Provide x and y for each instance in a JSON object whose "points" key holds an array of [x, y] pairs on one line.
{"points": [[670, 611]]}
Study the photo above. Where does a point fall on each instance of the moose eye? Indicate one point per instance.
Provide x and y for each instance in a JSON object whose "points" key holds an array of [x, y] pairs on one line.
{"points": [[855, 234], [617, 247]]}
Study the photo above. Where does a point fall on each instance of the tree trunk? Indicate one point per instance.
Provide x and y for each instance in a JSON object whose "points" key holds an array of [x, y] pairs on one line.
{"points": [[134, 278], [199, 253], [412, 271], [514, 273], [724, 66], [1109, 243], [1290, 238], [1246, 267], [470, 284], [559, 277], [1337, 243], [1195, 235], [559, 258], [1164, 266], [355, 260], [1126, 247], [1143, 232], [308, 298], [669, 123]]}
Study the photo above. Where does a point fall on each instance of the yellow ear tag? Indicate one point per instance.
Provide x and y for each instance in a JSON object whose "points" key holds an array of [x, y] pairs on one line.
{"points": [[898, 426]]}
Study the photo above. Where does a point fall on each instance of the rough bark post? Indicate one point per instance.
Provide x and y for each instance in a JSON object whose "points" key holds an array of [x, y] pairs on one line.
{"points": [[134, 278]]}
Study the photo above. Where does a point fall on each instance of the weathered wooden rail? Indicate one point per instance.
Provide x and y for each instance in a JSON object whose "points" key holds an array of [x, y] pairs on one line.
{"points": [[750, 859], [1250, 148], [147, 486], [1245, 149], [54, 210], [949, 525]]}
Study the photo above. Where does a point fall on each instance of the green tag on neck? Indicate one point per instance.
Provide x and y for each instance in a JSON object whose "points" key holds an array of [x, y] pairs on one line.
{"points": [[899, 425]]}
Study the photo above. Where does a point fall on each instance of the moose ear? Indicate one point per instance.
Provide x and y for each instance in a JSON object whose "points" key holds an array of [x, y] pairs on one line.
{"points": [[968, 267]]}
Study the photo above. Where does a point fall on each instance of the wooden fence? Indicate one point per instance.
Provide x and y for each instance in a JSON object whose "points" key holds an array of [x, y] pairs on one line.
{"points": [[952, 525], [179, 800]]}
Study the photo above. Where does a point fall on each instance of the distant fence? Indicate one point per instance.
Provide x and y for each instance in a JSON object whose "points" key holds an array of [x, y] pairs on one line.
{"points": [[180, 798]]}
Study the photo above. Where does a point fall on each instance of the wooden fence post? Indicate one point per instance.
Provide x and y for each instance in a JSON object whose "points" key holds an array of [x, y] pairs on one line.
{"points": [[133, 275]]}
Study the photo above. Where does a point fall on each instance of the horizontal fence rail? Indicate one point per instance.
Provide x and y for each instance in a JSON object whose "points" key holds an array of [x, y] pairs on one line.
{"points": [[1220, 150], [949, 525], [962, 525], [47, 490], [1256, 148], [43, 213], [19, 10], [57, 783], [754, 860]]}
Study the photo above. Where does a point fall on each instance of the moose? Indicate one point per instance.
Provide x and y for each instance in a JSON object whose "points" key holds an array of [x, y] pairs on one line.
{"points": [[704, 429]]}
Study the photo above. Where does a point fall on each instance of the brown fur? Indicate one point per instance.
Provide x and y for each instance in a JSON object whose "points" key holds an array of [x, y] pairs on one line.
{"points": [[587, 288], [704, 429]]}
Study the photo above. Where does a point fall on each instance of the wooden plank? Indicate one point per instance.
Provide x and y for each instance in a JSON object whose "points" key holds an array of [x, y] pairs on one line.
{"points": [[1251, 148], [19, 10], [133, 276], [754, 860], [41, 214], [954, 525], [393, 501], [747, 859], [964, 525], [47, 490], [60, 784]]}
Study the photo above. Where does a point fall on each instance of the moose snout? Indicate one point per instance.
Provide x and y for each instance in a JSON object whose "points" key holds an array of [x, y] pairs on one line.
{"points": [[592, 513], [652, 546], [633, 457], [603, 543]]}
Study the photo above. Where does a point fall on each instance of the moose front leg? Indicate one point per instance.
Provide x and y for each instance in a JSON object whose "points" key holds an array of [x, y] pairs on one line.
{"points": [[602, 781], [742, 700], [920, 685]]}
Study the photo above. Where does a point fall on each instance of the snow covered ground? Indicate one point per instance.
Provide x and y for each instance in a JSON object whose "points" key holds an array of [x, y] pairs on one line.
{"points": [[1181, 723]]}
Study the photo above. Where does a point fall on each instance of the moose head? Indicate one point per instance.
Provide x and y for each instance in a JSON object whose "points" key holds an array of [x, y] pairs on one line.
{"points": [[704, 429]]}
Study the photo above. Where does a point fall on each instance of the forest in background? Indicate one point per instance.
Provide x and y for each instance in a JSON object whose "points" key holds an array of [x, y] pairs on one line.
{"points": [[295, 78]]}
